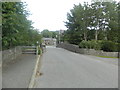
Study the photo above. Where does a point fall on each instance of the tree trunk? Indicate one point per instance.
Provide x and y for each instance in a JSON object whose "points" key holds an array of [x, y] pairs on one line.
{"points": [[96, 35], [85, 36]]}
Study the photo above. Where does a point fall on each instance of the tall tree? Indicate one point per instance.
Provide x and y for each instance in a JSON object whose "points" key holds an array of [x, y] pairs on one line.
{"points": [[16, 28], [46, 33], [98, 20]]}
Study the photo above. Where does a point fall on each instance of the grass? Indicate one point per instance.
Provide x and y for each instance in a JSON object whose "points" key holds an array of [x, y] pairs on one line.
{"points": [[107, 57]]}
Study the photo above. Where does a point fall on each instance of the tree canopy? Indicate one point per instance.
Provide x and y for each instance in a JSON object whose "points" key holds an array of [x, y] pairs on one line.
{"points": [[16, 28], [49, 34], [98, 21]]}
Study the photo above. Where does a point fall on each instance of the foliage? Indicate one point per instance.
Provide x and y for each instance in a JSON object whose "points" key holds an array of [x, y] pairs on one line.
{"points": [[16, 28], [109, 46], [90, 25], [49, 34], [39, 50], [104, 45], [98, 20], [46, 33], [93, 44]]}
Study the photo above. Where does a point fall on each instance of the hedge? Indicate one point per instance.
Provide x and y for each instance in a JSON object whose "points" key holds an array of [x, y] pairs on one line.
{"points": [[105, 45]]}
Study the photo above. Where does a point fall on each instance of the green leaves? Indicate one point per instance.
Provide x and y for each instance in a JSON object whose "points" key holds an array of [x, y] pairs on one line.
{"points": [[16, 29], [46, 33], [49, 34], [98, 21]]}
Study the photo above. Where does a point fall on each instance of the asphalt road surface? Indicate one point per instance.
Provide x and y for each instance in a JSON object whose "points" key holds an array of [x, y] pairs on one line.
{"points": [[64, 69]]}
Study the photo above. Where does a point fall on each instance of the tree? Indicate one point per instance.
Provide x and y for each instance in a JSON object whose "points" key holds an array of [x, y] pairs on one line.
{"points": [[16, 28], [46, 33], [78, 22], [98, 21], [49, 34]]}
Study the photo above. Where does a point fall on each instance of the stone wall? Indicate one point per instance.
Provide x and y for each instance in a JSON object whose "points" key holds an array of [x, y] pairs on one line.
{"points": [[11, 54], [75, 48]]}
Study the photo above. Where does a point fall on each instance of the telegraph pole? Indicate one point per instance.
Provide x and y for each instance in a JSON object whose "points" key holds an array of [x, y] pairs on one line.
{"points": [[59, 37]]}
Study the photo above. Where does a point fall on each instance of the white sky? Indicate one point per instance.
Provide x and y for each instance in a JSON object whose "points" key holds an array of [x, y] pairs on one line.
{"points": [[50, 14]]}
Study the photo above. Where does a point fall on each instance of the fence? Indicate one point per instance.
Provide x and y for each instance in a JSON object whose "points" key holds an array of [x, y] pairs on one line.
{"points": [[30, 50]]}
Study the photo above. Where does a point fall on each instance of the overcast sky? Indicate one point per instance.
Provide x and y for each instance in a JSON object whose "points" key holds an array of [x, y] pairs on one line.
{"points": [[50, 14]]}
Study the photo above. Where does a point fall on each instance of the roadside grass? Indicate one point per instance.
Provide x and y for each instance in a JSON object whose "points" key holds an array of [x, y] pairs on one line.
{"points": [[107, 57]]}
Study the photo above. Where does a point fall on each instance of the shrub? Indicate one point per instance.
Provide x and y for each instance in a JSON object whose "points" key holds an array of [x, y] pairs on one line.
{"points": [[97, 45], [93, 44], [39, 51], [109, 46], [118, 47], [83, 44]]}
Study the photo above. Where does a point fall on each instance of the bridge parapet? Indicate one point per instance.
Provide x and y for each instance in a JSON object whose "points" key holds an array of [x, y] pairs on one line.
{"points": [[75, 48], [11, 54]]}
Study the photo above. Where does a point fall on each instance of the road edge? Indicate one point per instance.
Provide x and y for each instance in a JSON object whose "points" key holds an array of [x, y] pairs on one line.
{"points": [[32, 80]]}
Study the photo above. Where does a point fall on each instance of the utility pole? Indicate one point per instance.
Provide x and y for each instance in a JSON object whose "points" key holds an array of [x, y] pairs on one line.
{"points": [[59, 37], [37, 48]]}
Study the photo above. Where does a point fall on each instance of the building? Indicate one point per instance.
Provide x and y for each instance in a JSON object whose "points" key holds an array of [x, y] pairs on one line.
{"points": [[49, 41]]}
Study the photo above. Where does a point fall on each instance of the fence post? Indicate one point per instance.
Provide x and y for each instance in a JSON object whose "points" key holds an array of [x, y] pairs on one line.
{"points": [[36, 50]]}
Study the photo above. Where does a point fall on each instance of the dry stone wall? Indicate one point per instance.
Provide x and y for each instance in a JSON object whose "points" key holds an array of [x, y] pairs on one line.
{"points": [[75, 48], [11, 54]]}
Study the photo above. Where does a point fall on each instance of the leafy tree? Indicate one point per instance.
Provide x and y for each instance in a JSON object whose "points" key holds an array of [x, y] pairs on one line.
{"points": [[95, 21], [49, 34], [98, 20], [46, 33], [16, 28]]}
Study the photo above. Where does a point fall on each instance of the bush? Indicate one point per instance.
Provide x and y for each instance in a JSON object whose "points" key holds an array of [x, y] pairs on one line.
{"points": [[98, 45], [39, 51], [109, 46], [118, 47], [83, 44], [93, 44]]}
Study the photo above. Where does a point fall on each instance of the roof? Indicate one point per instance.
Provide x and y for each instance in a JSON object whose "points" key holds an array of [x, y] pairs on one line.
{"points": [[48, 39]]}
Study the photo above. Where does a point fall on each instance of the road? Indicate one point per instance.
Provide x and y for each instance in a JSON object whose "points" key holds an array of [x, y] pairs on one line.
{"points": [[64, 69], [18, 73]]}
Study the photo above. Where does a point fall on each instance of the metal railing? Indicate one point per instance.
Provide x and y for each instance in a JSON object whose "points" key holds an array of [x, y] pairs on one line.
{"points": [[30, 50]]}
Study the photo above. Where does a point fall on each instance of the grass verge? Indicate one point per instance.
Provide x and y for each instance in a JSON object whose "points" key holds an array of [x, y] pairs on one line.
{"points": [[106, 57]]}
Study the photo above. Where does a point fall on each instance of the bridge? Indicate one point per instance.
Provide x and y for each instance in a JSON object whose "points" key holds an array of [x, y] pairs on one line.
{"points": [[60, 68]]}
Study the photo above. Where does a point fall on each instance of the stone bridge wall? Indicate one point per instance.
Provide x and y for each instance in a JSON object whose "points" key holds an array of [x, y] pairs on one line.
{"points": [[75, 48], [11, 54]]}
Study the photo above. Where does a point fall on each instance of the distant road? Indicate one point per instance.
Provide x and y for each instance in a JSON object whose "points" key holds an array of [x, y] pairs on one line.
{"points": [[65, 69]]}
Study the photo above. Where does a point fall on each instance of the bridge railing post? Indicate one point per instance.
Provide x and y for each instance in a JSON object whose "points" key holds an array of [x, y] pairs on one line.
{"points": [[36, 50]]}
